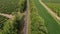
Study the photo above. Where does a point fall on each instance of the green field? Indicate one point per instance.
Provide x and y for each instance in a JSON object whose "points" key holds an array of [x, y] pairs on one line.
{"points": [[37, 22], [11, 6], [53, 5], [41, 22], [8, 6], [51, 24]]}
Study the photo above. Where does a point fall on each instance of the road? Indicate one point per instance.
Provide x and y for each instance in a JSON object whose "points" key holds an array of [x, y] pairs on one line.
{"points": [[26, 28], [51, 24]]}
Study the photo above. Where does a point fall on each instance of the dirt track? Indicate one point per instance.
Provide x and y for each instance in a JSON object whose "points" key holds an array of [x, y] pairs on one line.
{"points": [[26, 28], [49, 10], [6, 15]]}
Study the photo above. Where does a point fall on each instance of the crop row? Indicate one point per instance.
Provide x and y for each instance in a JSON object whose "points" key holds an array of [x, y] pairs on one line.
{"points": [[2, 20], [50, 23], [37, 22], [8, 26], [11, 6], [8, 6]]}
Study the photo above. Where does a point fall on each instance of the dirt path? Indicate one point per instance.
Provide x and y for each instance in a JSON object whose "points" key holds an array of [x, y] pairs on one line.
{"points": [[27, 19], [49, 10], [6, 15]]}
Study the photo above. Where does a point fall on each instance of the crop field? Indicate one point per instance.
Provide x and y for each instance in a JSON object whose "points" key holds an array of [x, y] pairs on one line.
{"points": [[2, 20], [37, 22], [53, 5], [51, 24], [11, 7], [8, 6], [29, 17]]}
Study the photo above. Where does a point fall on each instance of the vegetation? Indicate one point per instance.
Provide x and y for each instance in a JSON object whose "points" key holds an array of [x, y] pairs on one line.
{"points": [[37, 23], [12, 7], [8, 6], [54, 5], [23, 6], [2, 20], [51, 24]]}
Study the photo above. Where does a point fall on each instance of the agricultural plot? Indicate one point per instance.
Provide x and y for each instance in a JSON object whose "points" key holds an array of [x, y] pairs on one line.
{"points": [[8, 6], [41, 21], [2, 20], [37, 22], [7, 26], [11, 7], [53, 5], [51, 24]]}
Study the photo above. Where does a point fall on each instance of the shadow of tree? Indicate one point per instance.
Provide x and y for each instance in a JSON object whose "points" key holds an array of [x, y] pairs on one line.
{"points": [[24, 7]]}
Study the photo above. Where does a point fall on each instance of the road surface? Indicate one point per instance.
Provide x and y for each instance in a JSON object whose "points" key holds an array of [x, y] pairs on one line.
{"points": [[26, 28]]}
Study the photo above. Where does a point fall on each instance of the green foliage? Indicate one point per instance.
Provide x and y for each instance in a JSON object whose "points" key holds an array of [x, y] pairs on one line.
{"points": [[37, 23], [22, 5], [9, 26], [8, 6], [2, 20], [51, 24]]}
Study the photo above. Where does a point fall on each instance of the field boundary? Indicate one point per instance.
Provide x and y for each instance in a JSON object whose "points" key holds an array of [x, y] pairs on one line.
{"points": [[49, 10]]}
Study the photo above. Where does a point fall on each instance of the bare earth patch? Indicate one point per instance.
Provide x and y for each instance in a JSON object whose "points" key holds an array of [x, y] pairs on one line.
{"points": [[7, 15]]}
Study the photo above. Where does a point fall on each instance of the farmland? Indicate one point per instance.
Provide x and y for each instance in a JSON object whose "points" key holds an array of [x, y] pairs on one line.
{"points": [[8, 6], [29, 17], [2, 20], [37, 22], [54, 5], [51, 24], [14, 8], [11, 6]]}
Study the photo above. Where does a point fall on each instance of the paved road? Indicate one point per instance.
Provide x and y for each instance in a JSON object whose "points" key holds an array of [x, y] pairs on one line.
{"points": [[52, 26]]}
